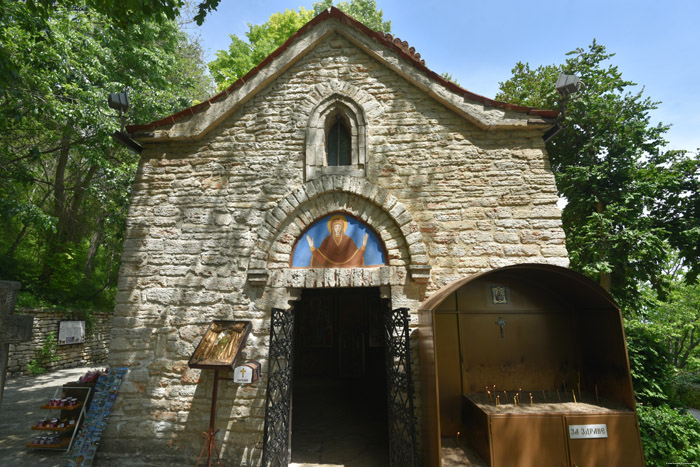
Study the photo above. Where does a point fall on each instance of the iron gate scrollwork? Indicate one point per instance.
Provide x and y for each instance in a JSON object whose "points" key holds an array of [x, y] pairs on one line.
{"points": [[400, 390], [278, 406]]}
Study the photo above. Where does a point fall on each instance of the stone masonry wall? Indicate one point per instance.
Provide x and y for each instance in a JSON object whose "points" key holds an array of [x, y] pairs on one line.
{"points": [[93, 351], [478, 200]]}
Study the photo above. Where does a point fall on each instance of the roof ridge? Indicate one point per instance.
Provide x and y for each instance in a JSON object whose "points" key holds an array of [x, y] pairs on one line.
{"points": [[411, 51], [401, 47]]}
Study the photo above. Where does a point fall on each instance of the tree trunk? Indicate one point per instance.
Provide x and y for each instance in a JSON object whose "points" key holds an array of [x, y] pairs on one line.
{"points": [[11, 251], [605, 278], [92, 251], [59, 197]]}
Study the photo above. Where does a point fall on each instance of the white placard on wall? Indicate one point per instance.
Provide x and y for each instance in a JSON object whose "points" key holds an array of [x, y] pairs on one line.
{"points": [[71, 332]]}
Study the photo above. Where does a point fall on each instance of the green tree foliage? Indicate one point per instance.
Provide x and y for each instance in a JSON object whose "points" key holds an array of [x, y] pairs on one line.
{"points": [[677, 316], [262, 39], [364, 11], [33, 16], [669, 436], [627, 197], [44, 356], [650, 363], [449, 77], [126, 12], [631, 207], [65, 185]]}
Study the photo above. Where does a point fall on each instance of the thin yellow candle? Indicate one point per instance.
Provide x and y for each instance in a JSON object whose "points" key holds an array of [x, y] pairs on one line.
{"points": [[498, 398], [530, 399], [574, 395]]}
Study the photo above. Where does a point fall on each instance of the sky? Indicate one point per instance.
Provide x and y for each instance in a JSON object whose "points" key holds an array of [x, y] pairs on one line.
{"points": [[656, 43]]}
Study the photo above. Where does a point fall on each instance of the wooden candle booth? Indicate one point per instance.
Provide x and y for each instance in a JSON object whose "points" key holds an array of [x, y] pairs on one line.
{"points": [[530, 368]]}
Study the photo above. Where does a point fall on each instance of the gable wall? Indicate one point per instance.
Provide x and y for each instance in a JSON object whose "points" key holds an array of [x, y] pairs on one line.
{"points": [[480, 199]]}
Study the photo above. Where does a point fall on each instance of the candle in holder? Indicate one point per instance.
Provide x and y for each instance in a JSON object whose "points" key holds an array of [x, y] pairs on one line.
{"points": [[530, 399]]}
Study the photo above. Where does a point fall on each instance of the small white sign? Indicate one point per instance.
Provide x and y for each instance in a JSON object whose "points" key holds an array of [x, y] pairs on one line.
{"points": [[588, 431], [243, 374], [71, 332]]}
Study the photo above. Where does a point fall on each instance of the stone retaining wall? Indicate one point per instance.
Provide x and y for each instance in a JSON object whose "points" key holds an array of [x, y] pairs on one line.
{"points": [[93, 350]]}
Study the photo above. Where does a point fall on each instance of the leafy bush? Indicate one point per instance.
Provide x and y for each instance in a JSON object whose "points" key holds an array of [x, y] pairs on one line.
{"points": [[44, 355], [668, 436], [686, 387], [650, 364]]}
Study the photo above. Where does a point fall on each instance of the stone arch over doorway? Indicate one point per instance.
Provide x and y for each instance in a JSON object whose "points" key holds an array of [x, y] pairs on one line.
{"points": [[407, 253]]}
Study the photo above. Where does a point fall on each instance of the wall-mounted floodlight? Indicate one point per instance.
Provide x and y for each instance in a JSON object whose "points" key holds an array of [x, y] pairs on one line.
{"points": [[120, 101], [567, 85]]}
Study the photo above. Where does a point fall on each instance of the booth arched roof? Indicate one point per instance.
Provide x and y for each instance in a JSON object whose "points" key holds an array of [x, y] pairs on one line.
{"points": [[575, 287]]}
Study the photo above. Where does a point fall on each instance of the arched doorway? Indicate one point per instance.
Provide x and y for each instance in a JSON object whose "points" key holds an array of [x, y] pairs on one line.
{"points": [[336, 370], [339, 412]]}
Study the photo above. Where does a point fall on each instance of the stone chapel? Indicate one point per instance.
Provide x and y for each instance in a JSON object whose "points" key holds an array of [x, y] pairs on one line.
{"points": [[394, 242]]}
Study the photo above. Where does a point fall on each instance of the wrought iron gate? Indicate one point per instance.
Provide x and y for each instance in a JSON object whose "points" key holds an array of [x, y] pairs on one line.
{"points": [[278, 407], [402, 421], [400, 390]]}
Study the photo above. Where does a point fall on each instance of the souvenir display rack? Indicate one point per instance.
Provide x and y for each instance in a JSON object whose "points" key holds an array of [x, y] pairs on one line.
{"points": [[70, 412]]}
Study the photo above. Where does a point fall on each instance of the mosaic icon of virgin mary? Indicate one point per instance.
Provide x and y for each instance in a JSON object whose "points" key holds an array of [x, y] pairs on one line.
{"points": [[337, 250], [338, 241]]}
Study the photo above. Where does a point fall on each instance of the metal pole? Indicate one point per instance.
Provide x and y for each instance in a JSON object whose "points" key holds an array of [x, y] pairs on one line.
{"points": [[4, 356], [212, 415], [210, 443]]}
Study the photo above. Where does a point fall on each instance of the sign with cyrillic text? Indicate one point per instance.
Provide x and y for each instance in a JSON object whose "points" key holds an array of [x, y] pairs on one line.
{"points": [[588, 431]]}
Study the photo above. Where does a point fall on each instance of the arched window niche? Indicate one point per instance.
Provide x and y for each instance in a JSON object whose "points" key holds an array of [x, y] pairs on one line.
{"points": [[336, 138], [338, 146]]}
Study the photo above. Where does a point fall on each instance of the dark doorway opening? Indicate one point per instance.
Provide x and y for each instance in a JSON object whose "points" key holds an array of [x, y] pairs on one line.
{"points": [[339, 412]]}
